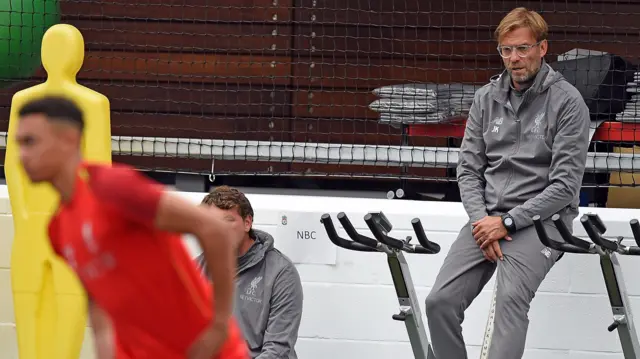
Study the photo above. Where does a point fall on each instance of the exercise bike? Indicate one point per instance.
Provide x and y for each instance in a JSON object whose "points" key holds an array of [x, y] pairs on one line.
{"points": [[380, 226], [608, 250]]}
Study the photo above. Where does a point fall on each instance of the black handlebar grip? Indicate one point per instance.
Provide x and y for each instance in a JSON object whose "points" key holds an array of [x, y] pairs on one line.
{"points": [[542, 233], [595, 236], [633, 251], [420, 250], [353, 234], [339, 241], [562, 229], [567, 236], [635, 229], [544, 238], [330, 229], [613, 326], [377, 233], [431, 247], [597, 222]]}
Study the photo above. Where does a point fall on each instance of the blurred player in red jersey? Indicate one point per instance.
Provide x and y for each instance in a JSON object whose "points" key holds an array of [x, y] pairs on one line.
{"points": [[120, 232]]}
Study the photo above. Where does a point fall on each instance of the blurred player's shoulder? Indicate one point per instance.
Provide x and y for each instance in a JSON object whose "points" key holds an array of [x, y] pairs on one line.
{"points": [[102, 169], [116, 174], [124, 191], [102, 175], [121, 184]]}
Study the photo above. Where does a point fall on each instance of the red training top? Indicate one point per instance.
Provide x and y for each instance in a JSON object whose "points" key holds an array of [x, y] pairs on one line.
{"points": [[142, 277]]}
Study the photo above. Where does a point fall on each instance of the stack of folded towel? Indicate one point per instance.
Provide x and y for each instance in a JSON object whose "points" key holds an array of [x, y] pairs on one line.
{"points": [[631, 112], [423, 103]]}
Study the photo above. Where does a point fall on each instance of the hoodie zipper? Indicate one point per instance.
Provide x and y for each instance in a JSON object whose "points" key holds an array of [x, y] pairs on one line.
{"points": [[525, 99], [518, 135]]}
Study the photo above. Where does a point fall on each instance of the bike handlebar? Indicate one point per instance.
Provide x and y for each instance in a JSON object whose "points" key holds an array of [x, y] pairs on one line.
{"points": [[378, 233], [339, 241], [635, 229], [559, 246], [353, 234], [595, 236], [567, 236], [597, 222], [379, 226], [594, 227], [422, 237], [381, 237]]}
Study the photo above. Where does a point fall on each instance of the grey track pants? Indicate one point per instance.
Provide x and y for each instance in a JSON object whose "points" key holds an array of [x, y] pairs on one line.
{"points": [[463, 275]]}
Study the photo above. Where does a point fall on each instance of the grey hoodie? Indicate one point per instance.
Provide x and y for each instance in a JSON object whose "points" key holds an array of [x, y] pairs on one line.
{"points": [[268, 303], [525, 162]]}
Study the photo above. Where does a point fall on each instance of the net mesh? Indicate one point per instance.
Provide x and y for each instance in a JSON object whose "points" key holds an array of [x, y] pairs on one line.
{"points": [[330, 87]]}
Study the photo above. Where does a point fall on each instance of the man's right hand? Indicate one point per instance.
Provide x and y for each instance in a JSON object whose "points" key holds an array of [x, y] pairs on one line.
{"points": [[103, 335], [493, 252], [209, 343]]}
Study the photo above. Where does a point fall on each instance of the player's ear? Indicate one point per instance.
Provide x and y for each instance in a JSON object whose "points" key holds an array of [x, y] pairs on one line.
{"points": [[68, 133], [248, 222], [543, 48]]}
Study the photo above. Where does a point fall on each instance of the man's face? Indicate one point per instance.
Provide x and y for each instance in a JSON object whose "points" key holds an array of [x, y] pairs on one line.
{"points": [[43, 146], [523, 56], [233, 216]]}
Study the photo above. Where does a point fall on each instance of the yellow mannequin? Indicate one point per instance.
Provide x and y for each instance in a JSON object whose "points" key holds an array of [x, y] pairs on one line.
{"points": [[50, 304]]}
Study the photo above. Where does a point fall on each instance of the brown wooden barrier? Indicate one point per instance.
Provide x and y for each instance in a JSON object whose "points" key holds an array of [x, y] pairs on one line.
{"points": [[577, 15], [194, 126], [303, 70], [184, 37], [186, 67], [182, 10], [367, 74]]}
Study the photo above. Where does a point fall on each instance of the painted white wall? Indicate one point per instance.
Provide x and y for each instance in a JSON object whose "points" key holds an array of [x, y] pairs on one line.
{"points": [[349, 298]]}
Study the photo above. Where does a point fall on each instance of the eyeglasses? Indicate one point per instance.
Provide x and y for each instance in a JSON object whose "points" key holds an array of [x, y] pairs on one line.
{"points": [[521, 50]]}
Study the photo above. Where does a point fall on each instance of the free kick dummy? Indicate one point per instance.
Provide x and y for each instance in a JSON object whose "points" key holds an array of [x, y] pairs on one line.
{"points": [[50, 304]]}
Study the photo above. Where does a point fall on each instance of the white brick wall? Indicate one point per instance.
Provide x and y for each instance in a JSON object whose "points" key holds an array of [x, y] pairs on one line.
{"points": [[348, 306]]}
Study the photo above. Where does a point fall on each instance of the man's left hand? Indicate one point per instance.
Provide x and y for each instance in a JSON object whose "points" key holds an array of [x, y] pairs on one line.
{"points": [[489, 229], [209, 342]]}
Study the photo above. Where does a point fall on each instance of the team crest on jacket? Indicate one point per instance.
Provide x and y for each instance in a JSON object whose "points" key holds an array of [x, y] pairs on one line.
{"points": [[537, 121], [251, 289]]}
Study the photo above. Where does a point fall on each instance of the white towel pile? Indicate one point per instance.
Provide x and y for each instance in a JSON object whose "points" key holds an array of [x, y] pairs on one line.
{"points": [[631, 111], [422, 103]]}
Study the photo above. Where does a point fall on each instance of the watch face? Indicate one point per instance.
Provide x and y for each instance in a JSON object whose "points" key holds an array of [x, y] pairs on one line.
{"points": [[508, 221]]}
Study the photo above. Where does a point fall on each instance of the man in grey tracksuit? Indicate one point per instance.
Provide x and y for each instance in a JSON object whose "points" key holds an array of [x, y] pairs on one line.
{"points": [[268, 302], [523, 154]]}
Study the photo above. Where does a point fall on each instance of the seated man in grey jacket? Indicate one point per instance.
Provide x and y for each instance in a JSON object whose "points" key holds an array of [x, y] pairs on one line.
{"points": [[523, 154], [268, 304]]}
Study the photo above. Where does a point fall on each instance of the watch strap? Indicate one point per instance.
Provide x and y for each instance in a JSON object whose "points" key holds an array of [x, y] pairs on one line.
{"points": [[509, 223]]}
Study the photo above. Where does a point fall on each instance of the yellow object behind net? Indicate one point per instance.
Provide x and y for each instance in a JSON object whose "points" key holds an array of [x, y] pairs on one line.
{"points": [[50, 304]]}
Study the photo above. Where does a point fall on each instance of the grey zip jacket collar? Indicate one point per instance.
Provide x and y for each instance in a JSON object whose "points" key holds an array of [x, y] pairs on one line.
{"points": [[526, 161], [268, 300]]}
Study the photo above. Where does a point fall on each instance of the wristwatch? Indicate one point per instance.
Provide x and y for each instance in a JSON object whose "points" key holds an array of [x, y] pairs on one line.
{"points": [[509, 223]]}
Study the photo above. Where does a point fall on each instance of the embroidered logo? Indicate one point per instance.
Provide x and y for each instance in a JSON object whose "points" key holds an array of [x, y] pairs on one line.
{"points": [[251, 290], [496, 124], [546, 252], [69, 255], [87, 237], [536, 122], [94, 265]]}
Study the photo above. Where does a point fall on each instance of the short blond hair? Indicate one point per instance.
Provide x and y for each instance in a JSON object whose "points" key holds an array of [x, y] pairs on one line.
{"points": [[522, 18]]}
